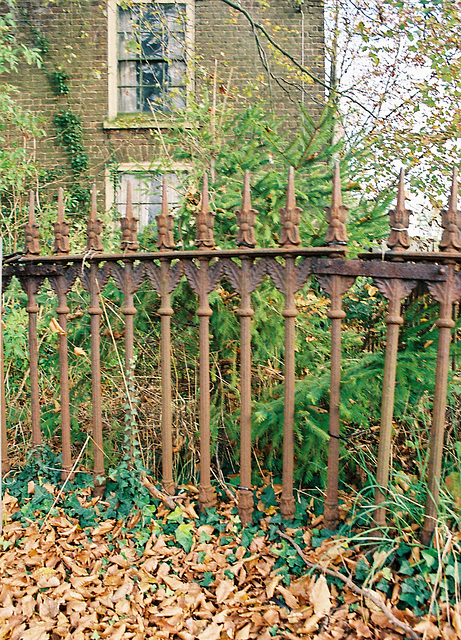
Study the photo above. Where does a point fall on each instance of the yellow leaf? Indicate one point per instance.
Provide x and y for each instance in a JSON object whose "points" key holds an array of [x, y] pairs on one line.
{"points": [[56, 327], [79, 352], [372, 291]]}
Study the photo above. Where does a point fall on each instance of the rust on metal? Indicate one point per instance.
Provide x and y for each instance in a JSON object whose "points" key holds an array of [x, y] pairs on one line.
{"points": [[335, 286], [336, 214], [167, 283], [32, 230], [61, 228], [61, 285], [95, 313], [165, 223], [396, 273], [243, 280], [394, 291], [129, 225], [205, 220], [246, 217], [451, 220], [446, 294], [290, 216], [94, 226], [32, 286], [399, 219]]}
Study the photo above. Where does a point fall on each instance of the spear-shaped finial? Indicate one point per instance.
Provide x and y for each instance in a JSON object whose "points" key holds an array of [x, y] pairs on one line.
{"points": [[205, 220], [451, 220], [336, 213], [399, 219], [165, 238], [290, 215], [94, 226], [61, 228], [246, 217], [32, 231], [60, 205], [129, 224]]}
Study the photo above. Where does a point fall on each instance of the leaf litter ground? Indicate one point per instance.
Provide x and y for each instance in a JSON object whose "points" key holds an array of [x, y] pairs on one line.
{"points": [[170, 573]]}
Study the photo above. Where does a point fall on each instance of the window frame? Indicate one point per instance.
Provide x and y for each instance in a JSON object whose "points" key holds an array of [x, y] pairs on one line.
{"points": [[112, 54]]}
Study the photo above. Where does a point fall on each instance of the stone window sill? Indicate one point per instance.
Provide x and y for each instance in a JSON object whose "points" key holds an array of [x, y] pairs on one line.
{"points": [[141, 121]]}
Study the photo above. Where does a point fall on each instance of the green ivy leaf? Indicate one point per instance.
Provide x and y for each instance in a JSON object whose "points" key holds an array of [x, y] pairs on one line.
{"points": [[184, 537], [176, 515]]}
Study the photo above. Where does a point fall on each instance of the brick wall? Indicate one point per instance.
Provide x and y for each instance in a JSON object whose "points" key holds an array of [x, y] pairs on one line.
{"points": [[76, 32]]}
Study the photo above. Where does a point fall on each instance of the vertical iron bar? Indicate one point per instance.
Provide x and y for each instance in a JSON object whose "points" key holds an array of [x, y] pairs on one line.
{"points": [[393, 322], [335, 286], [129, 312], [165, 313], [245, 494], [206, 494], [32, 310], [94, 244], [95, 312], [61, 287], [129, 245], [165, 242], [394, 291], [445, 323], [287, 502], [336, 314], [4, 442], [62, 311]]}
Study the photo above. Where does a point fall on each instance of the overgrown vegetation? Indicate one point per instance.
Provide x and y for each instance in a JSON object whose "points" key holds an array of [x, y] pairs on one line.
{"points": [[214, 137]]}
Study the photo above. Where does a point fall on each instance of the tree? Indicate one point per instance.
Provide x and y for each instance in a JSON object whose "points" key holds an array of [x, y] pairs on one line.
{"points": [[401, 60]]}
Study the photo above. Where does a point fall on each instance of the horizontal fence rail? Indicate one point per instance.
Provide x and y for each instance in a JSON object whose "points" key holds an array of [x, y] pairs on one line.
{"points": [[396, 274]]}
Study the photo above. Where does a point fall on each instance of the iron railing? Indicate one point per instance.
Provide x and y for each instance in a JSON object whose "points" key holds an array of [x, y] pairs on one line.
{"points": [[395, 272]]}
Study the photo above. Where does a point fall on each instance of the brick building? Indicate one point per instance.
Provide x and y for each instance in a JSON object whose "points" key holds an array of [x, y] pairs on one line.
{"points": [[115, 73]]}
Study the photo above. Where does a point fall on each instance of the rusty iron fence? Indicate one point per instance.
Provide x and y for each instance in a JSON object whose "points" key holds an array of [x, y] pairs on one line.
{"points": [[396, 274]]}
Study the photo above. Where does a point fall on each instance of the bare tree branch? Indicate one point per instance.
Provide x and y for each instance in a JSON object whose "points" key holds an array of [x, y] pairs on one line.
{"points": [[366, 593], [255, 25]]}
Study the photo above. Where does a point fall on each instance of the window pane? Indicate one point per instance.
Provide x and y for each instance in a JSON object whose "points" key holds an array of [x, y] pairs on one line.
{"points": [[176, 98], [175, 17], [177, 74], [125, 22], [176, 48], [128, 99], [128, 74], [152, 45], [128, 47], [153, 74]]}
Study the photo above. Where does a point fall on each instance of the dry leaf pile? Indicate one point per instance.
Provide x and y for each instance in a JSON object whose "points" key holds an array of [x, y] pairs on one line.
{"points": [[62, 582]]}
